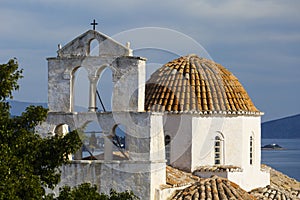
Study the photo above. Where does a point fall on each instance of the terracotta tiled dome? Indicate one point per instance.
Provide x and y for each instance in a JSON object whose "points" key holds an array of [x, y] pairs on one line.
{"points": [[212, 188], [197, 85]]}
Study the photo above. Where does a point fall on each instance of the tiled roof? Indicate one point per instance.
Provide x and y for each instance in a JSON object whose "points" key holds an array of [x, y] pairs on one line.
{"points": [[177, 178], [273, 193], [281, 187], [212, 188], [196, 85]]}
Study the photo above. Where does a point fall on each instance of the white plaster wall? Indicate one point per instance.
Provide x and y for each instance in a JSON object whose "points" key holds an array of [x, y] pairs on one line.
{"points": [[165, 193], [80, 46], [250, 179], [193, 136], [157, 144], [252, 127], [45, 130], [233, 140], [204, 132], [129, 84], [59, 88], [76, 54], [205, 129], [146, 169], [144, 134], [236, 131], [246, 179], [192, 145], [179, 127], [61, 78], [143, 178], [143, 173], [128, 74], [144, 130]]}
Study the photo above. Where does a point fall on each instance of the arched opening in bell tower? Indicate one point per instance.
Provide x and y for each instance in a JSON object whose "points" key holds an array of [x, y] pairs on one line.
{"points": [[104, 90], [61, 130], [119, 142], [80, 90], [93, 141], [94, 48]]}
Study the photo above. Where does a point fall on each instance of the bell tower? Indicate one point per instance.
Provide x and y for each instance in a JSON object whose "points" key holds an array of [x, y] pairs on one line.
{"points": [[128, 73], [143, 161]]}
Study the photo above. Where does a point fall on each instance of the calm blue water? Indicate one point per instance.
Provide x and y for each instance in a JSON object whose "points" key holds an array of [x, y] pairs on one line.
{"points": [[286, 161]]}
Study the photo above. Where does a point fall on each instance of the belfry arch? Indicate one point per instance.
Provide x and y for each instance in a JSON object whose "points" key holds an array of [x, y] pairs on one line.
{"points": [[61, 130], [86, 87], [80, 89], [104, 89], [94, 48], [115, 146]]}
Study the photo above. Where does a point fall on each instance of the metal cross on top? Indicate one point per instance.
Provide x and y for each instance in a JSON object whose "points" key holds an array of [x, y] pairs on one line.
{"points": [[94, 24]]}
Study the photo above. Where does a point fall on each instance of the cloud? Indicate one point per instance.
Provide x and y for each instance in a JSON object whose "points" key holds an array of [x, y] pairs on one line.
{"points": [[257, 38], [239, 10]]}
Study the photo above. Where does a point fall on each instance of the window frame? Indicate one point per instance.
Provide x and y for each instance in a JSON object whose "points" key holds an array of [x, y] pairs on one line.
{"points": [[251, 150], [218, 150], [168, 148]]}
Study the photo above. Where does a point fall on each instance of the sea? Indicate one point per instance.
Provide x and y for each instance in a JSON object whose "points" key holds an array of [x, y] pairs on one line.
{"points": [[287, 160]]}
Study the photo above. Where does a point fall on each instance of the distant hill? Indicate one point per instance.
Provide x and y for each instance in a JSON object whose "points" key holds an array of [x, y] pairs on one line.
{"points": [[288, 127], [17, 107]]}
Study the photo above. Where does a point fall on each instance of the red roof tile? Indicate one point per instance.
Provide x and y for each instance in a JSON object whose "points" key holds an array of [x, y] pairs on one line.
{"points": [[196, 84]]}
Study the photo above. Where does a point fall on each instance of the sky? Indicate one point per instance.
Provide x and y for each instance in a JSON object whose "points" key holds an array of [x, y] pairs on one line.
{"points": [[257, 40]]}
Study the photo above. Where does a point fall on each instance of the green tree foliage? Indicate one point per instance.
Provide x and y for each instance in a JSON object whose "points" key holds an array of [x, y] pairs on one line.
{"points": [[86, 191], [28, 163], [9, 75]]}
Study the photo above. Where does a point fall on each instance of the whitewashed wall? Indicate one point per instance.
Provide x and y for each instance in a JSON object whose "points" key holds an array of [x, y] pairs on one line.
{"points": [[179, 127], [192, 144], [236, 131], [141, 177], [246, 179], [194, 135]]}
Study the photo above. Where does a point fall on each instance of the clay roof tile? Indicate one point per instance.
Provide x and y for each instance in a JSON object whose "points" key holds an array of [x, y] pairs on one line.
{"points": [[192, 83]]}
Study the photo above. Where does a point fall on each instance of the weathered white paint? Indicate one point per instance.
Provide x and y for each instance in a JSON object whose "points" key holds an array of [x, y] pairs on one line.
{"points": [[128, 73], [145, 170], [193, 138], [141, 177], [165, 193], [245, 178], [129, 84]]}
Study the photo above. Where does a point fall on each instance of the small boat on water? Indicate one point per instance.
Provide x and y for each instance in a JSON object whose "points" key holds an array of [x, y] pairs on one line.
{"points": [[272, 147]]}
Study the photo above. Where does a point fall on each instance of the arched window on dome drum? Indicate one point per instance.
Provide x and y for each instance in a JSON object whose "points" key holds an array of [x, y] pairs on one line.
{"points": [[251, 150], [167, 148], [218, 150]]}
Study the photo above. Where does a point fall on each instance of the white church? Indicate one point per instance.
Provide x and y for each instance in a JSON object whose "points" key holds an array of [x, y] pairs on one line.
{"points": [[192, 114]]}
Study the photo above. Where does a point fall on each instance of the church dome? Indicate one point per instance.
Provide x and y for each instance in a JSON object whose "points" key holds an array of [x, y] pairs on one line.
{"points": [[191, 84]]}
